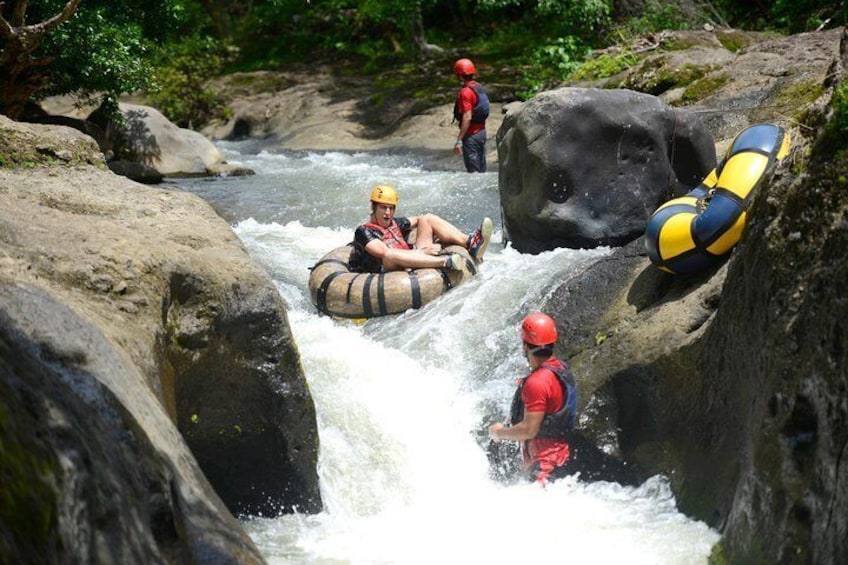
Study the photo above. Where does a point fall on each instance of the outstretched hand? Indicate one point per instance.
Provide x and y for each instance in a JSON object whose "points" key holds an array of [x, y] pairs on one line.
{"points": [[493, 431]]}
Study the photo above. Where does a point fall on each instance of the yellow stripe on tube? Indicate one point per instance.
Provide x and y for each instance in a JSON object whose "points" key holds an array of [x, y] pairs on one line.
{"points": [[711, 180], [742, 173], [676, 236], [729, 238]]}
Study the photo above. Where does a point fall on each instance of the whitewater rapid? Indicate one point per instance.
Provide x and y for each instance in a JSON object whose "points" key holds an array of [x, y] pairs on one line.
{"points": [[403, 401]]}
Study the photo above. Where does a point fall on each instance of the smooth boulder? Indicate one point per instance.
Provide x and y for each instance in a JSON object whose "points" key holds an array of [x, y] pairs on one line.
{"points": [[147, 137], [584, 167]]}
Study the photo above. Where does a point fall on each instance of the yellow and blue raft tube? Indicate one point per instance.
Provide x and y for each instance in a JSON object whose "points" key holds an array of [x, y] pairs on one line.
{"points": [[691, 233]]}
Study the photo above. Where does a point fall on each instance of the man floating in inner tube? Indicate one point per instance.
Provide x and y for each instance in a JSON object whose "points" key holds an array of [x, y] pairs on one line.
{"points": [[470, 111], [544, 404], [382, 243]]}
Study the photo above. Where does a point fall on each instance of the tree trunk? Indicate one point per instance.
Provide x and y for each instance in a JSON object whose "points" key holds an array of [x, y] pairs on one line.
{"points": [[21, 74], [419, 41], [16, 89]]}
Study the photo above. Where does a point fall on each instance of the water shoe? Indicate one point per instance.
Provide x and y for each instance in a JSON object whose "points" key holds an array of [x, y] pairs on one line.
{"points": [[479, 240]]}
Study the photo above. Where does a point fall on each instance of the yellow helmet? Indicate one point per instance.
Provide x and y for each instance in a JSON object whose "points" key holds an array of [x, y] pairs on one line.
{"points": [[384, 194]]}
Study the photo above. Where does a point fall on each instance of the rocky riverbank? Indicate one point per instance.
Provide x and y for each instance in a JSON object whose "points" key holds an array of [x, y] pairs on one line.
{"points": [[149, 385], [147, 363]]}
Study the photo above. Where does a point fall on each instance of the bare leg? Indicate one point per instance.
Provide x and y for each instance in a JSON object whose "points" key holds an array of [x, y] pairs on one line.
{"points": [[424, 236], [431, 226]]}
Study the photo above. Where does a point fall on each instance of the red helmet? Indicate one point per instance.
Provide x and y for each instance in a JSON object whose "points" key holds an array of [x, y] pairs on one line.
{"points": [[538, 329], [464, 67]]}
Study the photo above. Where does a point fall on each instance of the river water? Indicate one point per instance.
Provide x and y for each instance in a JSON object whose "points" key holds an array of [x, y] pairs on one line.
{"points": [[402, 401]]}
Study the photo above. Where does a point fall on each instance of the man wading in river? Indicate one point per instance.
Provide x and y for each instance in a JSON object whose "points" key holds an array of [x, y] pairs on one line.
{"points": [[544, 404], [470, 110], [382, 244]]}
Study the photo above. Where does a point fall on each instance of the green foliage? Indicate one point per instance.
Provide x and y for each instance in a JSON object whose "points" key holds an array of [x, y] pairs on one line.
{"points": [[284, 31], [110, 57], [656, 16], [395, 12], [551, 64], [179, 90], [790, 16], [587, 15], [375, 29], [105, 47], [804, 15], [837, 127], [559, 56]]}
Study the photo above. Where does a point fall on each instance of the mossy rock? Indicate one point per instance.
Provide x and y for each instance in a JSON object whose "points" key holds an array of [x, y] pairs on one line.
{"points": [[28, 502], [702, 88], [24, 145], [656, 75], [681, 41], [791, 101], [735, 40]]}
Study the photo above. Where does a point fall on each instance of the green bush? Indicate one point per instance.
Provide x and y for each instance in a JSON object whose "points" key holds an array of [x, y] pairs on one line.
{"points": [[657, 16], [551, 64], [180, 78], [838, 125]]}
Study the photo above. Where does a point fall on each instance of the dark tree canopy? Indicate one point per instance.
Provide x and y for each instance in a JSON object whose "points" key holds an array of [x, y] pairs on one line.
{"points": [[96, 47], [22, 69], [104, 48]]}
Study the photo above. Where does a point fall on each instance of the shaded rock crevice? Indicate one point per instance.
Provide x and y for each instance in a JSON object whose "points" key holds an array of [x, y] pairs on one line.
{"points": [[102, 489]]}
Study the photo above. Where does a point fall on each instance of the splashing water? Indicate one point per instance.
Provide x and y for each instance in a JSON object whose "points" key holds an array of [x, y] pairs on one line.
{"points": [[401, 400]]}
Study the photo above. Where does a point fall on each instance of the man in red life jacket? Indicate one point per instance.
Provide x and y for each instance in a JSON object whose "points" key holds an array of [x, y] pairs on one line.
{"points": [[381, 244], [470, 111], [543, 406]]}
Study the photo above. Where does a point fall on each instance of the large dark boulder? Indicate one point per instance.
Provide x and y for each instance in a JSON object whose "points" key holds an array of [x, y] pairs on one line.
{"points": [[586, 167], [241, 400]]}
